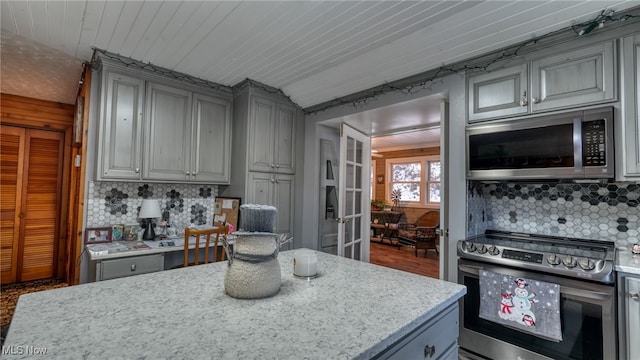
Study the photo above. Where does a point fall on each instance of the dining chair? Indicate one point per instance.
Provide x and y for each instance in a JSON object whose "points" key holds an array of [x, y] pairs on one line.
{"points": [[216, 232], [422, 234]]}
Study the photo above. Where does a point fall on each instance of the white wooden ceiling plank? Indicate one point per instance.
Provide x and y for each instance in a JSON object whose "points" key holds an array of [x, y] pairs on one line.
{"points": [[227, 34], [156, 24], [319, 85], [140, 26], [358, 20], [126, 22], [40, 20], [21, 18], [90, 27], [72, 26], [333, 14], [288, 39], [186, 34], [372, 37], [56, 24], [7, 22], [110, 16], [171, 30], [234, 64]]}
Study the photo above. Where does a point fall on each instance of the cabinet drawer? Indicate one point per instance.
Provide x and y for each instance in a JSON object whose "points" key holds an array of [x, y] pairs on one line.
{"points": [[433, 340], [116, 268]]}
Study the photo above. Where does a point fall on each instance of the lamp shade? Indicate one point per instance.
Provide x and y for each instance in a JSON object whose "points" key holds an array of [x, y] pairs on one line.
{"points": [[150, 209]]}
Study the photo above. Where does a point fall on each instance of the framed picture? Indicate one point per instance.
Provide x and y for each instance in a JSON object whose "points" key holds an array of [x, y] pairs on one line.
{"points": [[117, 232], [97, 235], [227, 210], [130, 232]]}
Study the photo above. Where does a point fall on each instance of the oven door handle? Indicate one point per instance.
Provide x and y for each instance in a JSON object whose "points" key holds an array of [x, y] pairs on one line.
{"points": [[588, 294]]}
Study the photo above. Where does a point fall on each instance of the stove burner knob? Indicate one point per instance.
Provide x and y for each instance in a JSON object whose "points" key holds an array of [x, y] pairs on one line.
{"points": [[553, 259], [493, 250], [586, 264], [482, 249], [469, 246], [569, 261]]}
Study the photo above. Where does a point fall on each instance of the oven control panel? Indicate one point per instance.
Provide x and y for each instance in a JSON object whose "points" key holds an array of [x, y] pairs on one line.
{"points": [[567, 264]]}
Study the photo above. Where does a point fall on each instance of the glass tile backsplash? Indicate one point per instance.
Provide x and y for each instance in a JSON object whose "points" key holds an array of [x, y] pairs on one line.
{"points": [[119, 202], [591, 211]]}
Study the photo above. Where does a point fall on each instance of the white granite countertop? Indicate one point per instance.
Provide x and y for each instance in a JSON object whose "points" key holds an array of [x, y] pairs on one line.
{"points": [[627, 262], [352, 310]]}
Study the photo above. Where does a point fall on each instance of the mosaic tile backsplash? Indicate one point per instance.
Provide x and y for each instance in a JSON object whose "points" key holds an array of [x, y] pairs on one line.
{"points": [[608, 212], [119, 202]]}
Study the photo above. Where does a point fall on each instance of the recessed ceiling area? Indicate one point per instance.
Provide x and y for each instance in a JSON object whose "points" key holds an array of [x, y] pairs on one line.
{"points": [[315, 51]]}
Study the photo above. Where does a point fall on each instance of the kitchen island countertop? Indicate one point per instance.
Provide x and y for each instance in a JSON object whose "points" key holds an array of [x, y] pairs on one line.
{"points": [[627, 262], [352, 310]]}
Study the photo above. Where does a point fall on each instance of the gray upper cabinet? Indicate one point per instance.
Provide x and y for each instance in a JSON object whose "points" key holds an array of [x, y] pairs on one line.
{"points": [[500, 93], [271, 136], [120, 143], [211, 139], [276, 190], [630, 78], [583, 76], [162, 131], [168, 140]]}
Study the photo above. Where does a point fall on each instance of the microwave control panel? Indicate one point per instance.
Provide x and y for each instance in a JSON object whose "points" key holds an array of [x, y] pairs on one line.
{"points": [[594, 143]]}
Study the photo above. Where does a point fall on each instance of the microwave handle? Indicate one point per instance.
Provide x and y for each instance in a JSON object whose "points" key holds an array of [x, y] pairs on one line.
{"points": [[577, 144]]}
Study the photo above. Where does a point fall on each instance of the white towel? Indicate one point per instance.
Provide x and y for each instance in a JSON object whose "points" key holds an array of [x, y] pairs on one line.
{"points": [[526, 305]]}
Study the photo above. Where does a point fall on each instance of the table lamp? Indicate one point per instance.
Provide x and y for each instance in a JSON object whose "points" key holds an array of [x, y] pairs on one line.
{"points": [[150, 209]]}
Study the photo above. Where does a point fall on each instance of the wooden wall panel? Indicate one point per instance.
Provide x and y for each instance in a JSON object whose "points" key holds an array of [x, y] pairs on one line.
{"points": [[18, 110]]}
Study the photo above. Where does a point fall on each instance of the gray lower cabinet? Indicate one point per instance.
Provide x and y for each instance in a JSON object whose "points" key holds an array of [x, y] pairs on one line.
{"points": [[630, 77], [129, 266], [120, 140], [156, 129], [436, 339], [276, 190], [628, 315], [579, 77]]}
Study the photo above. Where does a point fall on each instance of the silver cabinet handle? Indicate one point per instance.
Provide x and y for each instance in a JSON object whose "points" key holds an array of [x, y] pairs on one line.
{"points": [[273, 181], [429, 351], [634, 296], [536, 100], [277, 166], [133, 267], [272, 165], [523, 100], [137, 170]]}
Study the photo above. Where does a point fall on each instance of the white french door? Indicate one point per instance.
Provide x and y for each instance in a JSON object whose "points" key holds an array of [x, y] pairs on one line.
{"points": [[353, 195]]}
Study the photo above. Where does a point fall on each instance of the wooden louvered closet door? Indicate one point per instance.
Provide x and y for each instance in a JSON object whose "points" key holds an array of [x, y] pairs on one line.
{"points": [[30, 184]]}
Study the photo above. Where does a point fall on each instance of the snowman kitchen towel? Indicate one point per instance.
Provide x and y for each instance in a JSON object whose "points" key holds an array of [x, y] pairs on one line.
{"points": [[526, 305]]}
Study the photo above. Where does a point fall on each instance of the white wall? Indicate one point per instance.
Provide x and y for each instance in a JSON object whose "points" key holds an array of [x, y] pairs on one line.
{"points": [[453, 87]]}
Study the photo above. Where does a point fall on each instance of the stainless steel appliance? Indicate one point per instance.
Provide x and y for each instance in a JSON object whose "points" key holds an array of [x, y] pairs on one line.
{"points": [[574, 145], [583, 269]]}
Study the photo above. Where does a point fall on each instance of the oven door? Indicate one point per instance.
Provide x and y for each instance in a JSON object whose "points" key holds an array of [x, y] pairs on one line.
{"points": [[587, 320]]}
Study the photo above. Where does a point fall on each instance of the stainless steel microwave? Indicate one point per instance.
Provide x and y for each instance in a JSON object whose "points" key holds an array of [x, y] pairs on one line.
{"points": [[575, 145]]}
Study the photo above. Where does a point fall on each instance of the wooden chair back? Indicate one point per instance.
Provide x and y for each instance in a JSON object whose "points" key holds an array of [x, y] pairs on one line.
{"points": [[430, 218], [216, 232]]}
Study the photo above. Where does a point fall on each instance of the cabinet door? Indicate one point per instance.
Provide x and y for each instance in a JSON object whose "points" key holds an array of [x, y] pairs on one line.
{"points": [[260, 188], [284, 142], [283, 200], [261, 134], [500, 93], [119, 149], [579, 77], [633, 316], [168, 133], [631, 105], [212, 139]]}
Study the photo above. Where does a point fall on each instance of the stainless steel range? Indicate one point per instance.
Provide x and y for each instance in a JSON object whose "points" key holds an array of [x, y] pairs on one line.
{"points": [[584, 271]]}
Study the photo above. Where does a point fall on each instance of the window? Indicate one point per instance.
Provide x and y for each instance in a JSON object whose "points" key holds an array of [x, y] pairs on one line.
{"points": [[417, 179]]}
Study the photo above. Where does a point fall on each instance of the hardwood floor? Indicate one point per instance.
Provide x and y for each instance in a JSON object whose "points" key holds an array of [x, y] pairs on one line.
{"points": [[405, 259]]}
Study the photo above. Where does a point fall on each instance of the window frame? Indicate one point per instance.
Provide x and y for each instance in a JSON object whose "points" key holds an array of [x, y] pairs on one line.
{"points": [[424, 179]]}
